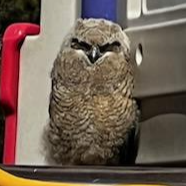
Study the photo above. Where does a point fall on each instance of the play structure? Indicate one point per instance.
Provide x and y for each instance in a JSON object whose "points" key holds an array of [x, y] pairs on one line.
{"points": [[156, 30]]}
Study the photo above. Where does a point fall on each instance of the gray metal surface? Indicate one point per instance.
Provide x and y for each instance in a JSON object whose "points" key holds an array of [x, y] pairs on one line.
{"points": [[164, 58], [160, 31]]}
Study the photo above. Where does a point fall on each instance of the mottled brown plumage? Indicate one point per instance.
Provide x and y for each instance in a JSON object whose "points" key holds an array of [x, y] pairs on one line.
{"points": [[91, 107]]}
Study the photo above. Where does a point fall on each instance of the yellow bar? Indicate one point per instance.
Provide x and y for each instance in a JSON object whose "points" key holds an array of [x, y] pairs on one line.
{"points": [[7, 179]]}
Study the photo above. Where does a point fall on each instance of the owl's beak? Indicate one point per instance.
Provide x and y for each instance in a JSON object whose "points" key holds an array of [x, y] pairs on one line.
{"points": [[94, 54]]}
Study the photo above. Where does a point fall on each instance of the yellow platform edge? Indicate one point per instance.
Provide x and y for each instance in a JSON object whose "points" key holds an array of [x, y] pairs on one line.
{"points": [[7, 179]]}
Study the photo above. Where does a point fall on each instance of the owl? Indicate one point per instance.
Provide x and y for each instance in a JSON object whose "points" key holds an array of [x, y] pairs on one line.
{"points": [[92, 110]]}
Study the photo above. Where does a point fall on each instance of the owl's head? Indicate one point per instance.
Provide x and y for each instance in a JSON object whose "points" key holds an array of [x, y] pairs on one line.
{"points": [[97, 38], [94, 57]]}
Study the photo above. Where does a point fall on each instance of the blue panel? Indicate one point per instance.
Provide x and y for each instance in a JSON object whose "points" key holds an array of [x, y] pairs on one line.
{"points": [[106, 9]]}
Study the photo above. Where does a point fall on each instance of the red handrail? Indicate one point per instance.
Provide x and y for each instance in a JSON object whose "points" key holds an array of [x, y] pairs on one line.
{"points": [[12, 41]]}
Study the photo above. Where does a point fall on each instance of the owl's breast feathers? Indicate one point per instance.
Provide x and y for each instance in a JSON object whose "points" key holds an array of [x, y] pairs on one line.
{"points": [[89, 125]]}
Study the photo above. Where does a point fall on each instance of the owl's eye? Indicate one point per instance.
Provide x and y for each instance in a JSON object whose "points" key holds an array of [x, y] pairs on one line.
{"points": [[80, 45], [110, 47]]}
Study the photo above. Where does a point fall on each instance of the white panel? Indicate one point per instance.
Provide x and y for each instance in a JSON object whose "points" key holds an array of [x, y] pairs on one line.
{"points": [[133, 9], [37, 56]]}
